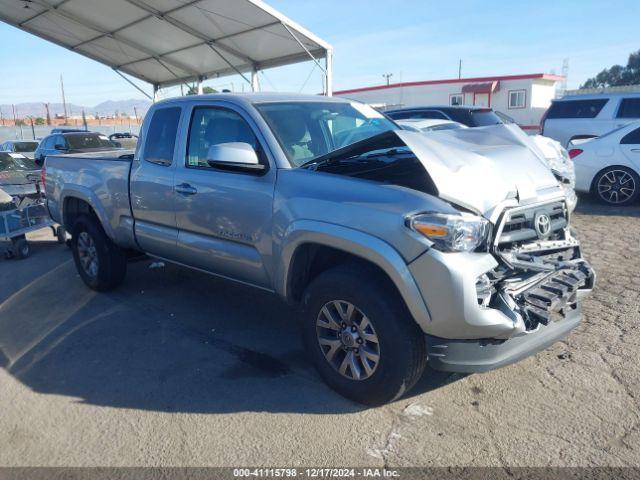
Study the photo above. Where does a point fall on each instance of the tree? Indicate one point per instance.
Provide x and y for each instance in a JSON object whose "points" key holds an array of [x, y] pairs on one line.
{"points": [[617, 75], [39, 121], [194, 90]]}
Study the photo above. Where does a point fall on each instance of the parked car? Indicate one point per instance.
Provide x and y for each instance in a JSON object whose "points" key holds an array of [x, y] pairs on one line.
{"points": [[24, 147], [471, 116], [67, 130], [430, 125], [72, 142], [18, 174], [609, 166], [395, 246], [124, 140], [576, 117]]}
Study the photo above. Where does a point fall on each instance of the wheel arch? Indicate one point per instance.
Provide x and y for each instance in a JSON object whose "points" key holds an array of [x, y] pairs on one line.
{"points": [[78, 202], [310, 247]]}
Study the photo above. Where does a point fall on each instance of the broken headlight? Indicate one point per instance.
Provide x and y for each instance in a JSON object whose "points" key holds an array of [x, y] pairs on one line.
{"points": [[451, 233]]}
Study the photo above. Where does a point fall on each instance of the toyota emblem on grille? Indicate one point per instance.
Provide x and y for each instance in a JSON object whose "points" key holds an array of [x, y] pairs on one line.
{"points": [[542, 224]]}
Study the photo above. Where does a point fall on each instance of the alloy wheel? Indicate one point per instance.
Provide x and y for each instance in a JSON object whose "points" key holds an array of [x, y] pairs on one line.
{"points": [[616, 186], [348, 340], [88, 254]]}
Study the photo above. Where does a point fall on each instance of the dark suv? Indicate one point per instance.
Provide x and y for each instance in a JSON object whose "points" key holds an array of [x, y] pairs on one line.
{"points": [[467, 115], [72, 142]]}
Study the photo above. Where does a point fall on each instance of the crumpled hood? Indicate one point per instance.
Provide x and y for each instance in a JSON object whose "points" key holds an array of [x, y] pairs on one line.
{"points": [[478, 168]]}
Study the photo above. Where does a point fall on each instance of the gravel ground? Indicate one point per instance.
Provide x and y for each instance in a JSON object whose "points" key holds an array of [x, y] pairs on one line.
{"points": [[177, 368]]}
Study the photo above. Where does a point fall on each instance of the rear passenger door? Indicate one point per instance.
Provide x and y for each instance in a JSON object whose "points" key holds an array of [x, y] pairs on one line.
{"points": [[224, 216], [151, 187]]}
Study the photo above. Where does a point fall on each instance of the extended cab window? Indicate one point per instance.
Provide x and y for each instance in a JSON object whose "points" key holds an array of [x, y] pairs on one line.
{"points": [[629, 108], [161, 136], [576, 108], [213, 126]]}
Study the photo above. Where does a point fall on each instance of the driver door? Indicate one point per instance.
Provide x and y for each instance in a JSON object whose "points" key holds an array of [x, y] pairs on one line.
{"points": [[224, 216]]}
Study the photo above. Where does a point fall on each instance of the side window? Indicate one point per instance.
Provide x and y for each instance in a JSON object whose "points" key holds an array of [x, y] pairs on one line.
{"points": [[58, 140], [47, 143], [632, 138], [431, 114], [456, 99], [629, 108], [576, 108], [213, 126], [517, 98], [401, 115], [161, 136]]}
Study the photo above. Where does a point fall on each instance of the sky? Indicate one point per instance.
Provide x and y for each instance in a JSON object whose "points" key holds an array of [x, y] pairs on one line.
{"points": [[411, 39]]}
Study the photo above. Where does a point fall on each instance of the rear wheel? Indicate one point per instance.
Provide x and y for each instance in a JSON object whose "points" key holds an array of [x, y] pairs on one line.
{"points": [[360, 336], [616, 186], [20, 248], [101, 263]]}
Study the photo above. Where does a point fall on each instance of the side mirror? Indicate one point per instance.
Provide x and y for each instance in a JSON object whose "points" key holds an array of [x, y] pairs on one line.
{"points": [[234, 156], [59, 146]]}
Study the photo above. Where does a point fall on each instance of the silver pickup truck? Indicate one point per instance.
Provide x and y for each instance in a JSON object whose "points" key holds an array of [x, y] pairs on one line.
{"points": [[397, 247]]}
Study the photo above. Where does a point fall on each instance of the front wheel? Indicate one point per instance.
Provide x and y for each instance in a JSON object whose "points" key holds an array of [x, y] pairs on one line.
{"points": [[360, 336], [616, 186], [101, 264]]}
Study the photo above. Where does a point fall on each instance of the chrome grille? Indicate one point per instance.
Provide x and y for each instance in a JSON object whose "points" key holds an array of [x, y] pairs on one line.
{"points": [[518, 224]]}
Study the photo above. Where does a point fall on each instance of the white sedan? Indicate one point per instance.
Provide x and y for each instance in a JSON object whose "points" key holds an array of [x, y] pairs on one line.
{"points": [[609, 166]]}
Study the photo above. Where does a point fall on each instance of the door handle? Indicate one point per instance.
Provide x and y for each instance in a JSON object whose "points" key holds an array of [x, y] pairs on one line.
{"points": [[635, 150], [185, 189]]}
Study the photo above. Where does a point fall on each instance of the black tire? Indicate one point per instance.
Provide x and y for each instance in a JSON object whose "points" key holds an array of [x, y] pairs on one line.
{"points": [[402, 347], [111, 259], [61, 235], [611, 175], [20, 248]]}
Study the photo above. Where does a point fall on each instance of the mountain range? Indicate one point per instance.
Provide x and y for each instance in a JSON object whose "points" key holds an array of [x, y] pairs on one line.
{"points": [[109, 107]]}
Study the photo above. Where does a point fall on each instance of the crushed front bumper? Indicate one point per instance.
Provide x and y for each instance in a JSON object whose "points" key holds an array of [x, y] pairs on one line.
{"points": [[474, 356]]}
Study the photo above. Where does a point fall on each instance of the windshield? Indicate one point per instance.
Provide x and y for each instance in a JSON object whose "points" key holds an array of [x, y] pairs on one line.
{"points": [[308, 130], [79, 141], [9, 163], [22, 147]]}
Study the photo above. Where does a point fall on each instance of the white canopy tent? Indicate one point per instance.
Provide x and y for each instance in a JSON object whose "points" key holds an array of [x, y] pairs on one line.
{"points": [[172, 42]]}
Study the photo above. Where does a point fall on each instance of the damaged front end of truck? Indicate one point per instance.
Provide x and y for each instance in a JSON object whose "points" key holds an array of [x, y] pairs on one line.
{"points": [[517, 287]]}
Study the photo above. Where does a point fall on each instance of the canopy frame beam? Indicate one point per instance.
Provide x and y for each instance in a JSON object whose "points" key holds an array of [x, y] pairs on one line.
{"points": [[56, 10]]}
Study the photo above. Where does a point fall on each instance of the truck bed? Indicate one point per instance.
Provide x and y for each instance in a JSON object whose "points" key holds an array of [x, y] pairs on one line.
{"points": [[99, 178]]}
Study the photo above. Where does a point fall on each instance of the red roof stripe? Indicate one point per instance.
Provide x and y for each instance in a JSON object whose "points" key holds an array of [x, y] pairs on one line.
{"points": [[544, 76]]}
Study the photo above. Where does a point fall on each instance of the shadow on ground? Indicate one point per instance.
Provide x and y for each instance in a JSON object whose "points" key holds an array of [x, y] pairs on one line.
{"points": [[588, 205], [169, 339]]}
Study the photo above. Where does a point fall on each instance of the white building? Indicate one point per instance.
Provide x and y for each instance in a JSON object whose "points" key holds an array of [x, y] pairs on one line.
{"points": [[522, 97]]}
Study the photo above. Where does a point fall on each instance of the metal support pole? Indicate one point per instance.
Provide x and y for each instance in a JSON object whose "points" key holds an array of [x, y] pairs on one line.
{"points": [[155, 93], [255, 82], [200, 91], [136, 86], [328, 74]]}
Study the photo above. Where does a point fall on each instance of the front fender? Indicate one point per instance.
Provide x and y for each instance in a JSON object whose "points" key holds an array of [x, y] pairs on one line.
{"points": [[357, 243]]}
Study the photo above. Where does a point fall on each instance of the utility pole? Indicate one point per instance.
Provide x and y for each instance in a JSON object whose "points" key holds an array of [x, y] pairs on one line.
{"points": [[15, 121], [387, 76], [135, 111], [64, 101], [459, 69], [46, 107], [1, 118], [33, 130]]}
